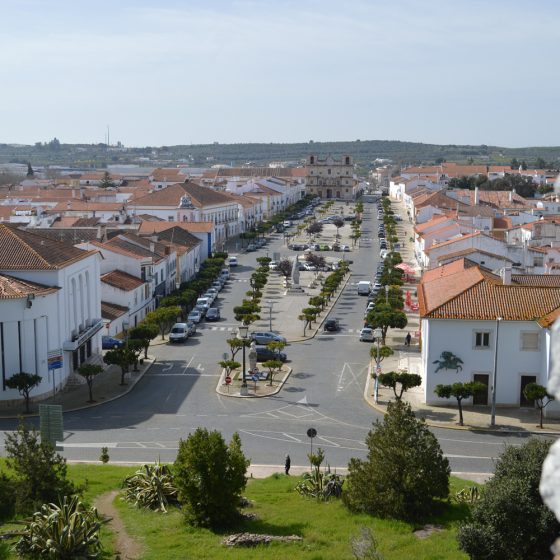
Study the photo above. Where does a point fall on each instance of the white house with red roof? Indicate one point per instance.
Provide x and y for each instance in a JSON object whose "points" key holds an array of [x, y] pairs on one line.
{"points": [[50, 309], [473, 321]]}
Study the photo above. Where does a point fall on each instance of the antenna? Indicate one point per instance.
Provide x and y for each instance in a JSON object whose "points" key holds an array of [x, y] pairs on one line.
{"points": [[108, 137]]}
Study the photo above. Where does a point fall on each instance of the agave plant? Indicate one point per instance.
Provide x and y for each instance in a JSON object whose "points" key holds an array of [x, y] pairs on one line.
{"points": [[318, 484], [469, 495], [151, 487], [65, 532]]}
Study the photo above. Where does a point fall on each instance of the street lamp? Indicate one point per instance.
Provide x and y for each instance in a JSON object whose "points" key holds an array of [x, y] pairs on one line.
{"points": [[125, 326], [377, 333], [242, 332], [270, 304], [495, 375], [386, 294]]}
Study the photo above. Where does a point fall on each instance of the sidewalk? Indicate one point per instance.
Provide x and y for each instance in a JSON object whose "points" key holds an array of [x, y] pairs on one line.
{"points": [[106, 388], [508, 419]]}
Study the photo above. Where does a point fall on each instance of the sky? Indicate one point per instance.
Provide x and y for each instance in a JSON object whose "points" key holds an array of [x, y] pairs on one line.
{"points": [[166, 72]]}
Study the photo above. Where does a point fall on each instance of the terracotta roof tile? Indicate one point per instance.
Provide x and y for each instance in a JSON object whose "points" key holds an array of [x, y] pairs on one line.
{"points": [[23, 250], [122, 280], [474, 294], [147, 227], [15, 288], [112, 311]]}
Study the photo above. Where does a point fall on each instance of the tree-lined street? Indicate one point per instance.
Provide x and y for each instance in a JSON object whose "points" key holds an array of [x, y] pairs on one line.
{"points": [[325, 391]]}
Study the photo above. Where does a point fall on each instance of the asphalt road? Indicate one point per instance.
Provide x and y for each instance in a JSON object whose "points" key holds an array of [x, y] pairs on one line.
{"points": [[325, 391]]}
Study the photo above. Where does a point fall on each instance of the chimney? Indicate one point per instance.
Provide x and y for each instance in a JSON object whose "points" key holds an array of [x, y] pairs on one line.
{"points": [[154, 237], [152, 247], [476, 195], [505, 273], [510, 196]]}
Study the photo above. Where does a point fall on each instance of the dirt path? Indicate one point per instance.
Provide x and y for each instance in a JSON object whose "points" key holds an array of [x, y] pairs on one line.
{"points": [[126, 547]]}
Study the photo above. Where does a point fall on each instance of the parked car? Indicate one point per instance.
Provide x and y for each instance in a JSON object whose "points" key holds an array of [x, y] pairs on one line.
{"points": [[366, 335], [179, 333], [309, 267], [331, 325], [298, 246], [251, 247], [224, 273], [217, 285], [204, 302], [213, 292], [264, 337], [273, 265], [213, 314], [286, 223], [325, 248], [195, 316], [264, 354], [109, 343], [370, 307], [232, 261], [345, 248]]}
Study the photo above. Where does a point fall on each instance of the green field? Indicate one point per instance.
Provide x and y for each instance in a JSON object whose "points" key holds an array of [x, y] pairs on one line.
{"points": [[325, 527]]}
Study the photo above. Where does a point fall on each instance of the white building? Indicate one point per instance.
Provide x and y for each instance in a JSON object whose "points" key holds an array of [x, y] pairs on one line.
{"points": [[51, 322], [472, 319]]}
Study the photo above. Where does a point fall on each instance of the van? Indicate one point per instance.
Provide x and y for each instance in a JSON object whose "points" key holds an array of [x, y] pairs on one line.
{"points": [[179, 332], [232, 261], [203, 302], [364, 288]]}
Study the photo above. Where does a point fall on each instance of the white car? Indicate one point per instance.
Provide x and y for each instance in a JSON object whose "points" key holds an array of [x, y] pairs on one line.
{"points": [[370, 307], [345, 248], [194, 316], [366, 335], [273, 265], [232, 261], [383, 254]]}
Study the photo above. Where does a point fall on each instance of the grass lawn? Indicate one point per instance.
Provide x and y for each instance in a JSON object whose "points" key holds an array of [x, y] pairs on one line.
{"points": [[325, 527]]}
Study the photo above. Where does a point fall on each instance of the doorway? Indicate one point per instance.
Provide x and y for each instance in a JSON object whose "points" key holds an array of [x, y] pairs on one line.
{"points": [[329, 193], [525, 380], [482, 397]]}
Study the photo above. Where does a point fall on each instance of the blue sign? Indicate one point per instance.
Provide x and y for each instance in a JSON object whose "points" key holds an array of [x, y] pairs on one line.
{"points": [[255, 377], [55, 359]]}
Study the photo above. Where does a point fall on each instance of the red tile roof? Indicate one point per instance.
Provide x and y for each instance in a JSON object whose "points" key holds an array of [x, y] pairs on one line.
{"points": [[122, 280], [23, 250], [15, 288], [112, 311], [456, 292]]}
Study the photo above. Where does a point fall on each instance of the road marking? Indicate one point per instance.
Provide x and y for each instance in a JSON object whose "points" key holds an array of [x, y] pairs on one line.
{"points": [[183, 374], [322, 438], [291, 437]]}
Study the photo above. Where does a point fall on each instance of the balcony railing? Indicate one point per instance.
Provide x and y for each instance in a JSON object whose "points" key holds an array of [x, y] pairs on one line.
{"points": [[77, 341]]}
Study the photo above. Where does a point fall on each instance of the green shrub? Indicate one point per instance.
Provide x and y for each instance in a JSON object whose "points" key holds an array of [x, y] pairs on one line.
{"points": [[210, 476], [151, 487], [7, 498], [510, 521], [40, 472], [66, 532], [404, 472]]}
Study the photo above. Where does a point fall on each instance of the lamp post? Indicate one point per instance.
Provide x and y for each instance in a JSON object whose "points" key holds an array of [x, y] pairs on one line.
{"points": [[377, 333], [242, 332], [125, 326], [495, 375], [270, 304], [386, 294]]}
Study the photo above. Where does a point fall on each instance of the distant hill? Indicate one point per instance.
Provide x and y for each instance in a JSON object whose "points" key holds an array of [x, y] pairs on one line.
{"points": [[365, 152]]}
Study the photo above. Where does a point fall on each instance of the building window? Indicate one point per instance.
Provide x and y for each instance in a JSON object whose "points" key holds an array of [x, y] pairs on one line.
{"points": [[482, 339], [529, 341], [329, 171]]}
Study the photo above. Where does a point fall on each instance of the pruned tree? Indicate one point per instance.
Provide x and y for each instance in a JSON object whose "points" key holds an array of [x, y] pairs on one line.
{"points": [[460, 391], [541, 397], [400, 381], [235, 344], [384, 352], [338, 223], [89, 372], [307, 316], [273, 366], [163, 317], [385, 317], [24, 383], [144, 332], [285, 267], [229, 366], [276, 346], [122, 357]]}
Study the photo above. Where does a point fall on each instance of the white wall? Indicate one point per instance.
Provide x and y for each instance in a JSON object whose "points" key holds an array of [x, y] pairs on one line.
{"points": [[456, 336]]}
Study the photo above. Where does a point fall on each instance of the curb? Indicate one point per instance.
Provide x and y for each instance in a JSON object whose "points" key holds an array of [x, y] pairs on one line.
{"points": [[275, 392], [91, 405], [332, 304], [466, 428]]}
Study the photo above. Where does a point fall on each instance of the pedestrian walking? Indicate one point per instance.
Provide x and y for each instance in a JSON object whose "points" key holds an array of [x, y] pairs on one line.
{"points": [[407, 339], [287, 464]]}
